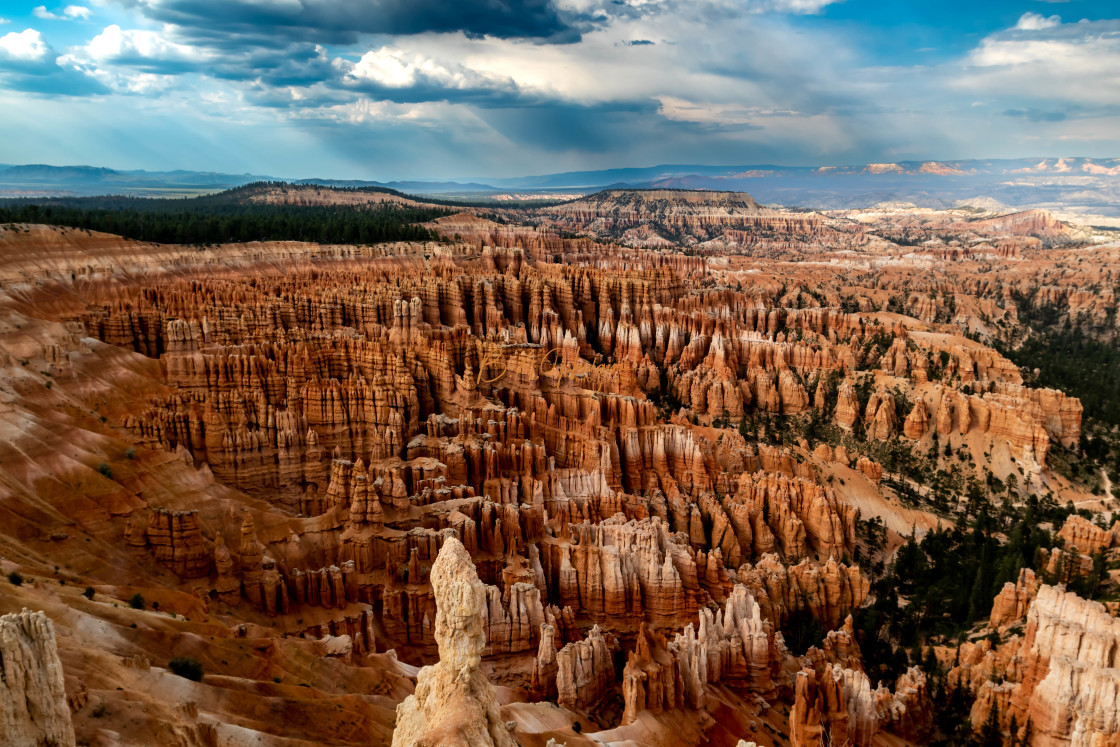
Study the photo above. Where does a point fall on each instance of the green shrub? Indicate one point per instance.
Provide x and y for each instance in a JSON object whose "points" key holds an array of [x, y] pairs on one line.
{"points": [[184, 666], [88, 593], [15, 578], [105, 469], [137, 601]]}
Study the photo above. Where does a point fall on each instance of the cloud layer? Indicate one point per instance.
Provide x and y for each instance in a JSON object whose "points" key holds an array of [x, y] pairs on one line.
{"points": [[387, 88]]}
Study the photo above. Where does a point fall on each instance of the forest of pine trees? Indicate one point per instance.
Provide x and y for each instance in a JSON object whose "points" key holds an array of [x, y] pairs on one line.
{"points": [[226, 217]]}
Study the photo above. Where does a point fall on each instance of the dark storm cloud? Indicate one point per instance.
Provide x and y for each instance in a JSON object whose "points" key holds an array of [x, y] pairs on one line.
{"points": [[560, 126], [345, 21], [427, 90], [298, 65]]}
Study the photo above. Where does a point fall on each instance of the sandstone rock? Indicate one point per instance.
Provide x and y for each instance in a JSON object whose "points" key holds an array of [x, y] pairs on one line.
{"points": [[917, 422], [829, 591], [454, 705], [1069, 681], [176, 537], [847, 406], [872, 470], [1013, 601], [880, 415], [836, 707], [1083, 535], [908, 712], [652, 678], [585, 671], [384, 397], [1061, 674], [772, 513], [735, 647], [33, 705]]}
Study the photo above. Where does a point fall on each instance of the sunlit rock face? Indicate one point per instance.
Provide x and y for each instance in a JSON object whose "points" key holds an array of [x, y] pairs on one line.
{"points": [[454, 704], [523, 486], [33, 707]]}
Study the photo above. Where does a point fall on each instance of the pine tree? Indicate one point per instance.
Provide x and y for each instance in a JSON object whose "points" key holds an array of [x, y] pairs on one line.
{"points": [[991, 735]]}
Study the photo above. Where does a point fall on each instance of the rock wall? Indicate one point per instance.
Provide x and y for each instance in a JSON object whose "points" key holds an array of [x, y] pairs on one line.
{"points": [[1062, 675]]}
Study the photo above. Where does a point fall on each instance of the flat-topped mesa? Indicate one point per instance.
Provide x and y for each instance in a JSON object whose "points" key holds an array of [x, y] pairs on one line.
{"points": [[639, 217], [454, 705], [33, 705]]}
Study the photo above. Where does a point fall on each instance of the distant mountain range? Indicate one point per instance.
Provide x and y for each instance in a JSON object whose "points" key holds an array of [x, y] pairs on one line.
{"points": [[1089, 185], [41, 179], [1084, 185], [712, 177]]}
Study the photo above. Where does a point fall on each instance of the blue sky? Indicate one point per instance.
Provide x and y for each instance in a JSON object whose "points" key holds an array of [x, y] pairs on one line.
{"points": [[386, 89]]}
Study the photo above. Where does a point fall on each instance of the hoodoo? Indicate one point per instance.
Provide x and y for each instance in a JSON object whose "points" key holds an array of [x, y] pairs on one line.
{"points": [[454, 704], [706, 471], [33, 708]]}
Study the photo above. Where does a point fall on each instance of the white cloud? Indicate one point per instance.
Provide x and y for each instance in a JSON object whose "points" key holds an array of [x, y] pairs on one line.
{"points": [[807, 7], [69, 13], [3, 21], [135, 61], [682, 110], [26, 46], [1037, 22], [391, 67], [115, 44], [1077, 63]]}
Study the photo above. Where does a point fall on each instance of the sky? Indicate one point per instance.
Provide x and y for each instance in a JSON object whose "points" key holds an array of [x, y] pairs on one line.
{"points": [[429, 89]]}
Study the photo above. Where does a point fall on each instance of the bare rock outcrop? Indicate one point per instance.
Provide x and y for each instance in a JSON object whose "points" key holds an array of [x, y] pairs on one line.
{"points": [[1063, 674], [585, 671], [1014, 599], [836, 706], [917, 422], [454, 705], [828, 591], [1080, 533], [33, 706]]}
